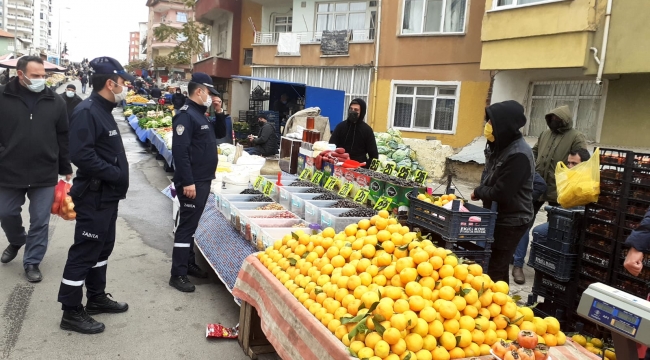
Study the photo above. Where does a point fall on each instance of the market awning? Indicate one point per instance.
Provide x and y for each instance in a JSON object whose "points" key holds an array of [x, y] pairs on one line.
{"points": [[275, 81], [11, 64]]}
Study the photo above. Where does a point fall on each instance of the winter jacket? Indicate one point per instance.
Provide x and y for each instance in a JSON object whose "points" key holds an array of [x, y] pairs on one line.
{"points": [[84, 79], [509, 166], [225, 118], [358, 139], [97, 150], [640, 237], [267, 140], [178, 100], [156, 93], [539, 186], [194, 144], [71, 103], [554, 146], [33, 141]]}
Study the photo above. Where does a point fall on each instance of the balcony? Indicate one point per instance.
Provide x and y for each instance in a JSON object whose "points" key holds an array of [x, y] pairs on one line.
{"points": [[311, 37], [554, 34], [207, 11], [362, 53], [163, 44], [217, 67], [165, 6], [19, 28], [20, 6], [21, 18], [173, 24]]}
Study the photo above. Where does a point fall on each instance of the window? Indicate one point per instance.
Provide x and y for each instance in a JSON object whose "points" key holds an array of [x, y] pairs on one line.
{"points": [[282, 24], [509, 3], [341, 16], [426, 107], [248, 56], [582, 97], [181, 17], [41, 16], [222, 37], [434, 16]]}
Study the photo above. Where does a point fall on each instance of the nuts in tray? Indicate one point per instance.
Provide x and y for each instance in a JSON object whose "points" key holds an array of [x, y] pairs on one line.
{"points": [[251, 192], [302, 183], [327, 196], [281, 215], [343, 204], [272, 206], [316, 190], [260, 198], [359, 212]]}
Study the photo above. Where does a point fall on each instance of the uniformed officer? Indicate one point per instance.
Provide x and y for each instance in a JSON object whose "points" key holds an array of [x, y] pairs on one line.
{"points": [[102, 181], [194, 147]]}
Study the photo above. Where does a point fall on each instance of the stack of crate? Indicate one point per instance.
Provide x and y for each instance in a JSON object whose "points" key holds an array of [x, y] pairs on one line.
{"points": [[555, 259]]}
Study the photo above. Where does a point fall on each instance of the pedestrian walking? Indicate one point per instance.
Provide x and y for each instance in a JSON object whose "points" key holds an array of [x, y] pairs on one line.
{"points": [[102, 181], [178, 99], [33, 150], [554, 145], [195, 158], [71, 99], [508, 180], [84, 82]]}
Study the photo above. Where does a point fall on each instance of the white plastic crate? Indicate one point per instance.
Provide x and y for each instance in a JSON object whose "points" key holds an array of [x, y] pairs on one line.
{"points": [[313, 208], [271, 235], [330, 218], [225, 199], [298, 202], [287, 191]]}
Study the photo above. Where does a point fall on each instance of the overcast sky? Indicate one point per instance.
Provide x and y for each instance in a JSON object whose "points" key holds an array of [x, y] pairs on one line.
{"points": [[94, 28]]}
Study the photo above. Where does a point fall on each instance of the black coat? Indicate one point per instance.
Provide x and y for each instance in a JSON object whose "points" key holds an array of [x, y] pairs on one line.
{"points": [[156, 93], [97, 149], [33, 142], [194, 144], [178, 100], [71, 103], [267, 140]]}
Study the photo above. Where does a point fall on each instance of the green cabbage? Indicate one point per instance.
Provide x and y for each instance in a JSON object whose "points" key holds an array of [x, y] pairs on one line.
{"points": [[400, 155]]}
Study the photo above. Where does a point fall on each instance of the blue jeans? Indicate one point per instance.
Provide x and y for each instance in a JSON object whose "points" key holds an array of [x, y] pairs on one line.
{"points": [[40, 204], [522, 247], [83, 88], [253, 151]]}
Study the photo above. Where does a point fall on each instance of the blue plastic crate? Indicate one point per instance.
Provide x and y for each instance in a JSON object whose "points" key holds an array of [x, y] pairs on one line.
{"points": [[453, 224], [555, 263]]}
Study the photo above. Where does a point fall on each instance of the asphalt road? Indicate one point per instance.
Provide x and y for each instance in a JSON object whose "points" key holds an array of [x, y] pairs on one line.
{"points": [[161, 323]]}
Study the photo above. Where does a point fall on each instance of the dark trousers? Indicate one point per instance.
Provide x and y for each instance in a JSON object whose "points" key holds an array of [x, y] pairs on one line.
{"points": [[253, 151], [94, 239], [506, 239], [191, 211], [40, 204]]}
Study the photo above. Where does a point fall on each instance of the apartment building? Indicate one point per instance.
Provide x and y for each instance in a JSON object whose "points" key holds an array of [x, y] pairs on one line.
{"points": [[171, 13], [142, 49], [134, 46], [589, 55], [30, 21]]}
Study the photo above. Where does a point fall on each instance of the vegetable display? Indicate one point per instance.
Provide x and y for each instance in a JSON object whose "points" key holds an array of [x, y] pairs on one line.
{"points": [[392, 149]]}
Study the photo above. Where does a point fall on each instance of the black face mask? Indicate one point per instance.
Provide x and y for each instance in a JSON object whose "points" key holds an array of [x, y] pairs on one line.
{"points": [[353, 116], [555, 124], [261, 123]]}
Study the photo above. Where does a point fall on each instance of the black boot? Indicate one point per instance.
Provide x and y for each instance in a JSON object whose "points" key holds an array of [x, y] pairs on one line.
{"points": [[182, 283], [79, 321], [103, 304], [33, 273], [195, 270], [9, 254]]}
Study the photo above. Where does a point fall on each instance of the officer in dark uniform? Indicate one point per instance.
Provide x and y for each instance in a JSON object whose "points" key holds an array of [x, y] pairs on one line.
{"points": [[102, 181], [194, 147]]}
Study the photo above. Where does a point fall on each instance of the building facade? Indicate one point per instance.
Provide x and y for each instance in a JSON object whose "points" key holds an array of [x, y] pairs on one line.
{"points": [[30, 21], [551, 53], [171, 13], [134, 46]]}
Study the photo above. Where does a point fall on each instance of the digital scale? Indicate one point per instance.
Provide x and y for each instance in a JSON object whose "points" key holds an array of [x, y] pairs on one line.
{"points": [[627, 316]]}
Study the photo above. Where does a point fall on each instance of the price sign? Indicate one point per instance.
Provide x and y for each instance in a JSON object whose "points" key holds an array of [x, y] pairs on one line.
{"points": [[258, 182], [374, 165], [268, 188], [345, 190], [420, 176], [318, 175], [305, 174], [361, 196], [389, 169], [403, 172], [331, 183], [383, 203]]}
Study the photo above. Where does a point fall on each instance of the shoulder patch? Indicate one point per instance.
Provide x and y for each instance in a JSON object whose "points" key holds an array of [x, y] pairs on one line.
{"points": [[180, 129], [183, 108]]}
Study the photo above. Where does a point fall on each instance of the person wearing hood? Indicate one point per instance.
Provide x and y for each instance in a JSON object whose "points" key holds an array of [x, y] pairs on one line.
{"points": [[356, 136], [507, 180], [555, 144], [178, 99], [266, 142], [71, 99]]}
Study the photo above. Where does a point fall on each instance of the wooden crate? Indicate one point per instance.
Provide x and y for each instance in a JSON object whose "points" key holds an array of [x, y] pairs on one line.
{"points": [[251, 337]]}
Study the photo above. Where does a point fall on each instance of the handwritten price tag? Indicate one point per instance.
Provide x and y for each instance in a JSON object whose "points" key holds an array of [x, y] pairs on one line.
{"points": [[403, 172], [259, 181], [389, 169], [420, 176], [305, 174], [318, 175], [268, 188], [345, 190], [383, 203], [331, 183], [374, 165], [361, 196]]}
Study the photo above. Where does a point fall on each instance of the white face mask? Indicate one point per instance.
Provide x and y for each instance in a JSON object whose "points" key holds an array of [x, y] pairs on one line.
{"points": [[69, 94], [35, 85], [121, 96], [208, 101]]}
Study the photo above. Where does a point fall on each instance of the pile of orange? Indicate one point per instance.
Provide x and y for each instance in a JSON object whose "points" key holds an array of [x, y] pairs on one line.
{"points": [[388, 294]]}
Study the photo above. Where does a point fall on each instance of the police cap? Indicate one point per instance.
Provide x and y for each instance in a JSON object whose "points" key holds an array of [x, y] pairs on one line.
{"points": [[109, 66], [205, 80]]}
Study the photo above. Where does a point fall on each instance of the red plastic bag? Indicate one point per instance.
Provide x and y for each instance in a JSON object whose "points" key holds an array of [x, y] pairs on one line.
{"points": [[63, 205]]}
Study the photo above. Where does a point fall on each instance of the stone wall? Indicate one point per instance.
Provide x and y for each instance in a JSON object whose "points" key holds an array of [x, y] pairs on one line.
{"points": [[431, 154]]}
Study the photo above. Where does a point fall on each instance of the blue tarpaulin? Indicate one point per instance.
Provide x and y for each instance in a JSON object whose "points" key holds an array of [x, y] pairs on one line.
{"points": [[158, 142], [143, 134]]}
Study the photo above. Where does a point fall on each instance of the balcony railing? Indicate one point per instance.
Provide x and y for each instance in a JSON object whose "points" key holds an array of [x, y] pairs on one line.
{"points": [[310, 37], [12, 18], [20, 6]]}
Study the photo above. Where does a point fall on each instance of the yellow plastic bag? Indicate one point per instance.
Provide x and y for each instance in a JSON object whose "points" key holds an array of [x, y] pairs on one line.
{"points": [[579, 185]]}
